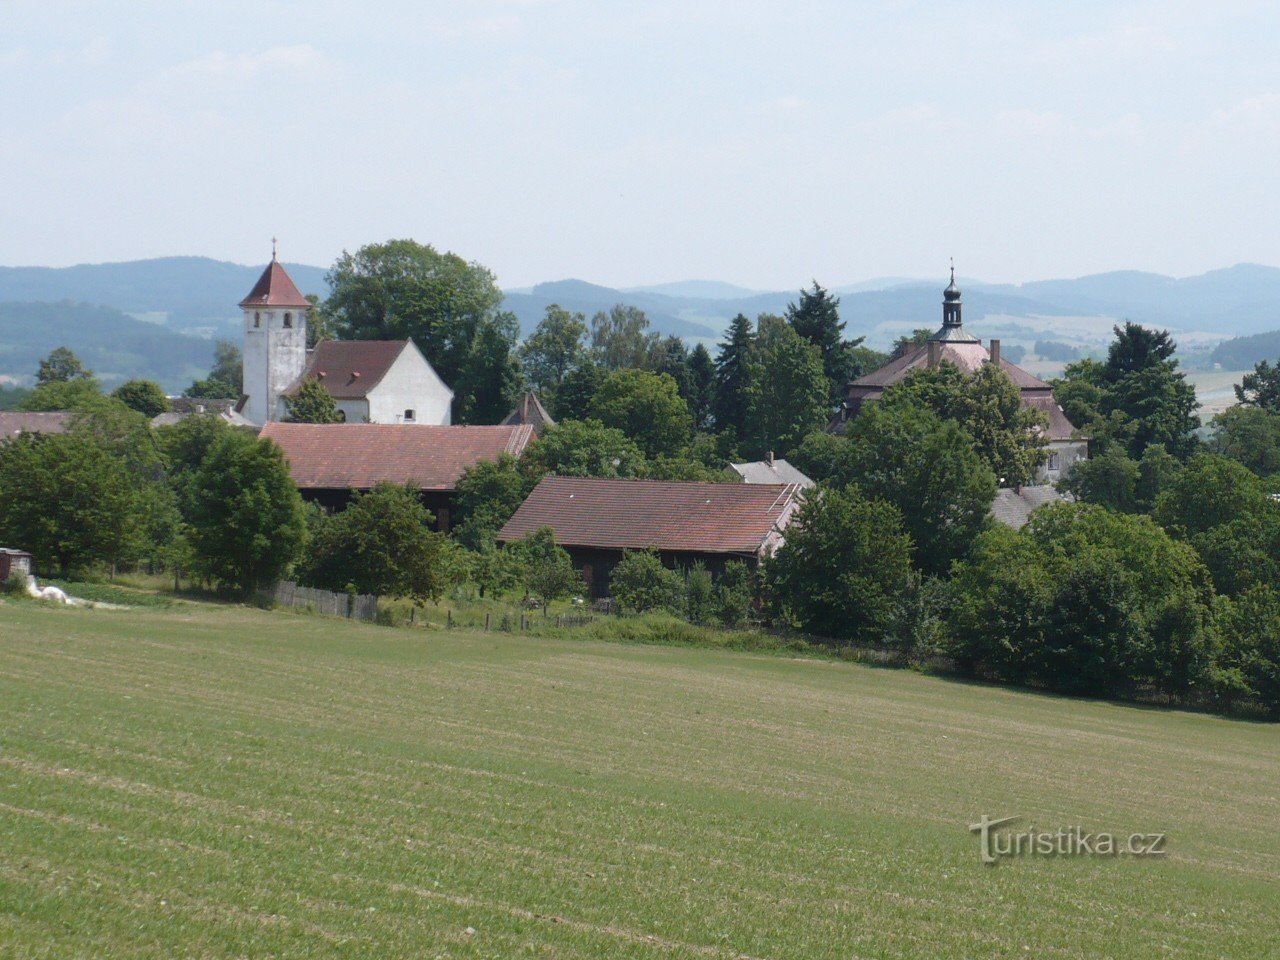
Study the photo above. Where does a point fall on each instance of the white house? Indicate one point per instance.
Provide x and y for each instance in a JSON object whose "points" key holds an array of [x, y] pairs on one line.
{"points": [[378, 381], [373, 381]]}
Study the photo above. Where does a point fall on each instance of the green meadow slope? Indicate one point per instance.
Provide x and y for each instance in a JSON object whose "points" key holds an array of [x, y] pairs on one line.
{"points": [[222, 782]]}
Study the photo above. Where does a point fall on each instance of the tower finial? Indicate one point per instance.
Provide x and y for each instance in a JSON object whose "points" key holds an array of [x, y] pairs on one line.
{"points": [[953, 269], [273, 252]]}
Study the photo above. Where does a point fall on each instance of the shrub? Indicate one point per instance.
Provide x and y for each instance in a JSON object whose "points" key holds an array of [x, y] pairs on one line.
{"points": [[734, 594], [699, 594], [641, 583]]}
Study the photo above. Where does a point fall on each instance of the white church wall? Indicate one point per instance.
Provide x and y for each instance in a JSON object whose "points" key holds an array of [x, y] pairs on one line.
{"points": [[411, 384], [274, 356]]}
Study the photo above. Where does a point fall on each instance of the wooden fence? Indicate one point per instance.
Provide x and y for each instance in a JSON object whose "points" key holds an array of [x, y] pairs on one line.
{"points": [[289, 594]]}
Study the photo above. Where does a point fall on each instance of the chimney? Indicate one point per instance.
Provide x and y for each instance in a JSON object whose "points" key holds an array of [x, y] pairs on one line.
{"points": [[768, 458], [935, 353], [995, 352]]}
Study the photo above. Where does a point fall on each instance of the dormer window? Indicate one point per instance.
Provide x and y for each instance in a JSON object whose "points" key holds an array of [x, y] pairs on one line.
{"points": [[288, 320]]}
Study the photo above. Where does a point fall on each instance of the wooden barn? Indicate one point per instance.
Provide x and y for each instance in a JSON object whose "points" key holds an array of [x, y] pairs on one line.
{"points": [[595, 520], [328, 461]]}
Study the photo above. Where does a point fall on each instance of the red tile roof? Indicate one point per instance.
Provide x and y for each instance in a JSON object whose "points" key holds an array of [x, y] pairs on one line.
{"points": [[275, 289], [13, 423], [638, 514], [349, 369], [356, 456]]}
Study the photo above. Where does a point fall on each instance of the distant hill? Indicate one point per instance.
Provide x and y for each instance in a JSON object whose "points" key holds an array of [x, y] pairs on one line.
{"points": [[698, 289], [114, 346], [1244, 353], [194, 292]]}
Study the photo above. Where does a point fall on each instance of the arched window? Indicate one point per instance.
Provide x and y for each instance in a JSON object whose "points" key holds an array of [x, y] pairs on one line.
{"points": [[288, 320]]}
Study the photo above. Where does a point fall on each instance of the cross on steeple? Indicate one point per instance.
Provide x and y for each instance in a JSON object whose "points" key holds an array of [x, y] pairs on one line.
{"points": [[273, 252]]}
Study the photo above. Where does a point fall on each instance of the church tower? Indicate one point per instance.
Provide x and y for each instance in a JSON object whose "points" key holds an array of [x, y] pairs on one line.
{"points": [[275, 341]]}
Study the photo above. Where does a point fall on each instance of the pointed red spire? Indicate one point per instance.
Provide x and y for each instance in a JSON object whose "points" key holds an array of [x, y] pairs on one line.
{"points": [[275, 288]]}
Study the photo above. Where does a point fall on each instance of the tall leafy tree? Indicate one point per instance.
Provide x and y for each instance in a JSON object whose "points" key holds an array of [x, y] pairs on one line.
{"points": [[621, 339], [488, 493], [572, 399], [245, 514], [556, 346], [734, 360], [787, 390], [1249, 435], [70, 500], [61, 366], [843, 567], [928, 469], [380, 544], [491, 379], [583, 448], [647, 407], [401, 288]]}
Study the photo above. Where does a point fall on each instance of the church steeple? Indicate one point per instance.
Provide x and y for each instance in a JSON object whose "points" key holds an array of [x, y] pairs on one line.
{"points": [[952, 325], [951, 302]]}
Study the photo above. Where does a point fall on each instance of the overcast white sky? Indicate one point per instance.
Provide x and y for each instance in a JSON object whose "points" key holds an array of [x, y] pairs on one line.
{"points": [[629, 143]]}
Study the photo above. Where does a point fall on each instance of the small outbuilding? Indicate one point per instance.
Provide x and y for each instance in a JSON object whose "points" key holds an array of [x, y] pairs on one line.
{"points": [[14, 563], [595, 520]]}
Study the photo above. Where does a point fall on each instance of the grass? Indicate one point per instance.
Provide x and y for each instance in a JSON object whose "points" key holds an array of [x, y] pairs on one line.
{"points": [[218, 781]]}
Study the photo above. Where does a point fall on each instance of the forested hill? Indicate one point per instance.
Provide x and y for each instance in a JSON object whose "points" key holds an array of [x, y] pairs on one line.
{"points": [[192, 292], [114, 346]]}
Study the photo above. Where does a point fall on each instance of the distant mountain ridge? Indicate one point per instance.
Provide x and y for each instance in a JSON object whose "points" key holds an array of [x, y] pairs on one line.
{"points": [[198, 295]]}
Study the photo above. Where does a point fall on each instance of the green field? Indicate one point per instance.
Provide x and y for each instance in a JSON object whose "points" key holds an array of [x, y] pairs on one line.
{"points": [[206, 781]]}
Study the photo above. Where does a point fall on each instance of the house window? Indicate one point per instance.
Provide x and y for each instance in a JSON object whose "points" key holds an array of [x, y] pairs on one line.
{"points": [[1053, 461], [257, 319], [408, 416], [288, 320]]}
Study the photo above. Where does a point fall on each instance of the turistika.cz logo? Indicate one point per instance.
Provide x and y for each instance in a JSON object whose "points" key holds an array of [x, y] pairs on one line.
{"points": [[1064, 842]]}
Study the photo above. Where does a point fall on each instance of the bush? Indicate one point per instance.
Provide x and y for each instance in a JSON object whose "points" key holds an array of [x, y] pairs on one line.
{"points": [[641, 583], [699, 594], [734, 594]]}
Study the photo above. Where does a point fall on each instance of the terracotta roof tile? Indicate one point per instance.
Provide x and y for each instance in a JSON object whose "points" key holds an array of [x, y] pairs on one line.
{"points": [[349, 369], [275, 289], [638, 514], [356, 456], [13, 423]]}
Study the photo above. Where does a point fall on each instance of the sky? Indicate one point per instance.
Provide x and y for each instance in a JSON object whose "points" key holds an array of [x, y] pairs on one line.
{"points": [[764, 144]]}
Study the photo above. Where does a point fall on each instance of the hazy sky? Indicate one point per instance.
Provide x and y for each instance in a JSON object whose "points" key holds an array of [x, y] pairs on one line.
{"points": [[629, 143]]}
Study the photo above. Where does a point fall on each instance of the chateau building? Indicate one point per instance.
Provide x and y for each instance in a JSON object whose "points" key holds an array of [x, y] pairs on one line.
{"points": [[952, 344]]}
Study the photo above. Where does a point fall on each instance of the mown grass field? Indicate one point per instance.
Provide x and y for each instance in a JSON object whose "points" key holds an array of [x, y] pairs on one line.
{"points": [[207, 781]]}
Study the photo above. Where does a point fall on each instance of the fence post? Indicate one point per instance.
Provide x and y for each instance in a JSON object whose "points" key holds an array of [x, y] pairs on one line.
{"points": [[449, 623], [486, 622]]}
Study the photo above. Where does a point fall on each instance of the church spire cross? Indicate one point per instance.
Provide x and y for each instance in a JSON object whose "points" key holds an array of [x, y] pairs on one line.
{"points": [[273, 251]]}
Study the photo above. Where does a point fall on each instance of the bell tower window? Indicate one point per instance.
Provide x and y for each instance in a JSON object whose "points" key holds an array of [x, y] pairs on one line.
{"points": [[257, 319], [288, 321]]}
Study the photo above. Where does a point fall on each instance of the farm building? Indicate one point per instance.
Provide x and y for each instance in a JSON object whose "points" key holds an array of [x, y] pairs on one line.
{"points": [[769, 471], [14, 563], [329, 461], [951, 344], [595, 520], [13, 422]]}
